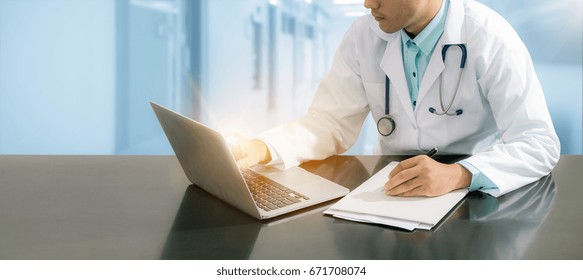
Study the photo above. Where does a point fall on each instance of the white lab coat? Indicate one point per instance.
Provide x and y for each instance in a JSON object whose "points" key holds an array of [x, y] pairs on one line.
{"points": [[505, 124]]}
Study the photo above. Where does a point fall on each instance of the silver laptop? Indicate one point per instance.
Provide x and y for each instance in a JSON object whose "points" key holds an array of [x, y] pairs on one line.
{"points": [[262, 192]]}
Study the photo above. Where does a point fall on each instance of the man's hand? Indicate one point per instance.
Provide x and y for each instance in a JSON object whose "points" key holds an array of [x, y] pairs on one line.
{"points": [[423, 176], [247, 152]]}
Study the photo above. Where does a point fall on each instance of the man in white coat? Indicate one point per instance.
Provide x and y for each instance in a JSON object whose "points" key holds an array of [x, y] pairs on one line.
{"points": [[392, 63]]}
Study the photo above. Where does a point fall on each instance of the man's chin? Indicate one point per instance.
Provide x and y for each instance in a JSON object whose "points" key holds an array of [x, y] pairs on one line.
{"points": [[388, 30]]}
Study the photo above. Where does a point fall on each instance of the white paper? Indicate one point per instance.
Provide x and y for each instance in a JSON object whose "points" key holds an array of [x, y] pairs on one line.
{"points": [[371, 219], [368, 203]]}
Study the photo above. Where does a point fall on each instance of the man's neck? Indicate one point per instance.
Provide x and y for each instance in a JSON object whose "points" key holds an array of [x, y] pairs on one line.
{"points": [[427, 15]]}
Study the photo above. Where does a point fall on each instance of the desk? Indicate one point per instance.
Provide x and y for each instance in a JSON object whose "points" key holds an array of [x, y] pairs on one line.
{"points": [[142, 207]]}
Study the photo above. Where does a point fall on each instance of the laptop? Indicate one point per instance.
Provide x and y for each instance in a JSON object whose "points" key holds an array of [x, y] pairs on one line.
{"points": [[262, 192]]}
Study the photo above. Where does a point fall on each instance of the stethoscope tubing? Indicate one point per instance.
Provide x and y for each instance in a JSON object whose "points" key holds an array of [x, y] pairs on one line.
{"points": [[444, 110], [386, 125]]}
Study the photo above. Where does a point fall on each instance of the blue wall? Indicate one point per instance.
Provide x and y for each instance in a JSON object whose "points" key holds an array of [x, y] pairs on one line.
{"points": [[57, 77]]}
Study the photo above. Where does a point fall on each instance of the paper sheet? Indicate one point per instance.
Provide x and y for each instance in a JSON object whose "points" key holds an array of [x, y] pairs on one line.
{"points": [[368, 203]]}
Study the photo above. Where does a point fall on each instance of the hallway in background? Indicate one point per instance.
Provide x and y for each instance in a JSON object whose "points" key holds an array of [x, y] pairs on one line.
{"points": [[76, 77]]}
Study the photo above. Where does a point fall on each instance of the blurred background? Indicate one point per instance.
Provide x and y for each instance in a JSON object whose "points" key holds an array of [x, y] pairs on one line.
{"points": [[76, 76]]}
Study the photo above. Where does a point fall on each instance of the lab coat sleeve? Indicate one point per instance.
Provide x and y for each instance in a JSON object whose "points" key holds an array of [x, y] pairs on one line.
{"points": [[529, 147], [333, 121]]}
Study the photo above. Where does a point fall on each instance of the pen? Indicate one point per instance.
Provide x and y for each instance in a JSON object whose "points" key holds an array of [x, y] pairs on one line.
{"points": [[432, 152]]}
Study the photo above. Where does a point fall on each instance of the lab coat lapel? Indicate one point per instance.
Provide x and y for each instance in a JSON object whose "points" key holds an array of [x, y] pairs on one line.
{"points": [[392, 65], [434, 69], [454, 33]]}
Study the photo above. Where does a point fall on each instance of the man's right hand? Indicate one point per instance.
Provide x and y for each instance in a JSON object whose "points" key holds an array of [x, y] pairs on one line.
{"points": [[247, 152]]}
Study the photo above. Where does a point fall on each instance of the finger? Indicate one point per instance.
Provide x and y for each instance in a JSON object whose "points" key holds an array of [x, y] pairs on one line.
{"points": [[419, 191], [233, 139], [405, 164], [404, 188], [247, 162], [402, 177], [396, 170], [244, 149], [234, 142], [238, 152]]}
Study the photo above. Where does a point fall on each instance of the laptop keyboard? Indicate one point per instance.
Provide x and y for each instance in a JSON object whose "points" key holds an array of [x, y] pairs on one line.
{"points": [[270, 195]]}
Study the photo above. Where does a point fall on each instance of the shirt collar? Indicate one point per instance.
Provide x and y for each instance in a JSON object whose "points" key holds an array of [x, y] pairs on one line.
{"points": [[427, 39]]}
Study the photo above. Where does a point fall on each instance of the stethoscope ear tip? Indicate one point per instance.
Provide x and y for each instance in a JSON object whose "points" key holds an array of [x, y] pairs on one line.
{"points": [[457, 112]]}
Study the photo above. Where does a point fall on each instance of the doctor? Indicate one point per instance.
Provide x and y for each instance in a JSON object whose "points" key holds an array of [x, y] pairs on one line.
{"points": [[450, 74]]}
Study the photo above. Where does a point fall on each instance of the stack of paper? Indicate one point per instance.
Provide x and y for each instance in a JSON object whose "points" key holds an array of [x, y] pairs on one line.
{"points": [[369, 204]]}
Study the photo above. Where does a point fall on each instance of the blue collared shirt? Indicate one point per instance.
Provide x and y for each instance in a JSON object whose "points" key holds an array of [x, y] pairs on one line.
{"points": [[417, 51], [416, 54]]}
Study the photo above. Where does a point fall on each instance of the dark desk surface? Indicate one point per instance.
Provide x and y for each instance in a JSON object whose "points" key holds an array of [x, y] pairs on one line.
{"points": [[142, 207]]}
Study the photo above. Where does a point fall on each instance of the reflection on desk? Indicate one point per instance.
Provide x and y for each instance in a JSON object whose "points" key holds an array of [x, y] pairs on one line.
{"points": [[142, 207], [482, 227], [206, 228]]}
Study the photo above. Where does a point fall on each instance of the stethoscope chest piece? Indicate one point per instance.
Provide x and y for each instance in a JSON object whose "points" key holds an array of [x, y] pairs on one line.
{"points": [[386, 125]]}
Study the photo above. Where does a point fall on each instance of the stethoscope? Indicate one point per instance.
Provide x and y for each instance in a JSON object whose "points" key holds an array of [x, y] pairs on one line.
{"points": [[386, 124]]}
